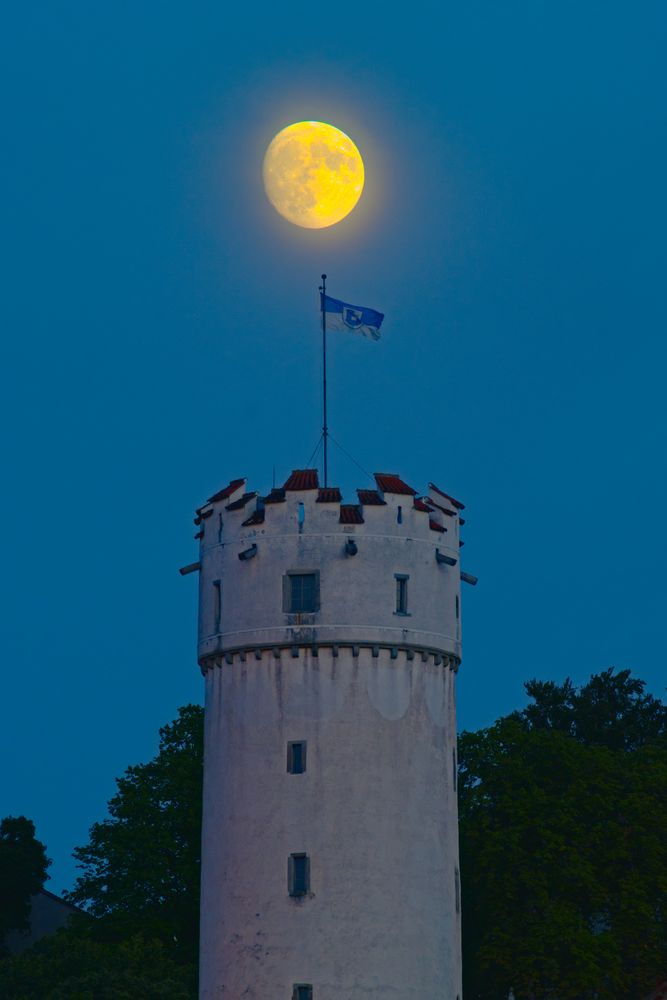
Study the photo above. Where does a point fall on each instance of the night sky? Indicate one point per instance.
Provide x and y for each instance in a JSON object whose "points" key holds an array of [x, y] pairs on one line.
{"points": [[160, 337]]}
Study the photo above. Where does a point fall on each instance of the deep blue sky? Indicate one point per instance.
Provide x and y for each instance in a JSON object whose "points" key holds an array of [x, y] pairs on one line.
{"points": [[160, 337]]}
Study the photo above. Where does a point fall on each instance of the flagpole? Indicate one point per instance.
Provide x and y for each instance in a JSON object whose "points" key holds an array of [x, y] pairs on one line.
{"points": [[325, 428]]}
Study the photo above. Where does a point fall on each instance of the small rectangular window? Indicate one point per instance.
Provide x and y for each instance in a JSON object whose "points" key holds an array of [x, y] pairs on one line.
{"points": [[458, 607], [302, 991], [301, 593], [298, 874], [296, 757], [401, 593]]}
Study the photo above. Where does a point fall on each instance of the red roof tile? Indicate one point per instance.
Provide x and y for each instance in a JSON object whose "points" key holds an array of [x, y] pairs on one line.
{"points": [[302, 479], [370, 498], [457, 503], [434, 526], [277, 495], [329, 494], [389, 482], [239, 504], [420, 505], [350, 513], [445, 510], [227, 492], [202, 513], [257, 517]]}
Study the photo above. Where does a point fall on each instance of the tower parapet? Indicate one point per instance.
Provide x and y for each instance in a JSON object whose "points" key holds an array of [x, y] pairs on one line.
{"points": [[384, 572]]}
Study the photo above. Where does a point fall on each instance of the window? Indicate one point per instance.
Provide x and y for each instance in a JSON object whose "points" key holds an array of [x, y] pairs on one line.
{"points": [[401, 593], [298, 874], [301, 592], [399, 515], [296, 757], [302, 991], [217, 603]]}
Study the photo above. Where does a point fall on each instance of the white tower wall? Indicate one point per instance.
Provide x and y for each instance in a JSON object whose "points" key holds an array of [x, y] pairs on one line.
{"points": [[372, 693]]}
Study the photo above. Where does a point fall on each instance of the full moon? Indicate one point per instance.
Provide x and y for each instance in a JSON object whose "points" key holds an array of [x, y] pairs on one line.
{"points": [[313, 174]]}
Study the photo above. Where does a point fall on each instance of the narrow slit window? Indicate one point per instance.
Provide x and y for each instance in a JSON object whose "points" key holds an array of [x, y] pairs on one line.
{"points": [[401, 594], [458, 606], [302, 991], [296, 757], [298, 874], [217, 603], [399, 515]]}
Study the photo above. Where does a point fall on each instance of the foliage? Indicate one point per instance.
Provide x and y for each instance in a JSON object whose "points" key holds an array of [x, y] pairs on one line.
{"points": [[71, 966], [23, 866], [611, 710], [563, 809], [141, 865]]}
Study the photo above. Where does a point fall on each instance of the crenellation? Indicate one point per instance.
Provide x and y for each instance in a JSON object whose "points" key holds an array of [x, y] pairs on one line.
{"points": [[325, 507]]}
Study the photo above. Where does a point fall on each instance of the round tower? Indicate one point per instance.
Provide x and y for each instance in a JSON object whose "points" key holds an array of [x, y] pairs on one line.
{"points": [[330, 638]]}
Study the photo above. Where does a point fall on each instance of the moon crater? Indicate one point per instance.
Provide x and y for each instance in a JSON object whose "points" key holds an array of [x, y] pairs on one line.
{"points": [[313, 174]]}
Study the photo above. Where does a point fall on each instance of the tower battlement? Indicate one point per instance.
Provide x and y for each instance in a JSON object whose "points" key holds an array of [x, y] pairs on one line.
{"points": [[298, 567]]}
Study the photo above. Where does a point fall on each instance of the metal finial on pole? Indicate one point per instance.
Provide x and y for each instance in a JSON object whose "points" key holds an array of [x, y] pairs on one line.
{"points": [[325, 428]]}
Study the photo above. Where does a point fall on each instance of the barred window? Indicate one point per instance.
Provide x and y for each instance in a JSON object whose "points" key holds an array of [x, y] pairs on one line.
{"points": [[301, 592]]}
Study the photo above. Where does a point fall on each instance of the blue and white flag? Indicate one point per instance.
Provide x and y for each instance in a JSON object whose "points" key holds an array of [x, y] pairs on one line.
{"points": [[354, 319]]}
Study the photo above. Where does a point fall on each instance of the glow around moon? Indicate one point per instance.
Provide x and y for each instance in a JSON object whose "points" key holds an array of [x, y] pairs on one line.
{"points": [[313, 174]]}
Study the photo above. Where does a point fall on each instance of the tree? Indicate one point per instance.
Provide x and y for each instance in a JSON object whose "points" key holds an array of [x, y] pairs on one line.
{"points": [[141, 865], [70, 965], [23, 871], [563, 809], [611, 710]]}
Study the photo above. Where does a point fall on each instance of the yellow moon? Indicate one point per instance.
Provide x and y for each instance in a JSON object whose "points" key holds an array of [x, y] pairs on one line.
{"points": [[313, 174]]}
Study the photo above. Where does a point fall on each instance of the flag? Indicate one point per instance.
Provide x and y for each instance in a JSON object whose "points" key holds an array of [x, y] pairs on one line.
{"points": [[354, 319]]}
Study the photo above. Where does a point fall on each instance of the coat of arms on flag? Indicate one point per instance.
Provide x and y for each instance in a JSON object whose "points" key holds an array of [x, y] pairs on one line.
{"points": [[359, 319]]}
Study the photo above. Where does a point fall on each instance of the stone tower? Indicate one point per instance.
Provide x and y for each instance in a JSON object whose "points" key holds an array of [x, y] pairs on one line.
{"points": [[329, 639]]}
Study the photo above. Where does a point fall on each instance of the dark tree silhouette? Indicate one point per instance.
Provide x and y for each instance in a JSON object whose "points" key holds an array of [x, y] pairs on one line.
{"points": [[23, 871], [563, 809], [141, 865]]}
